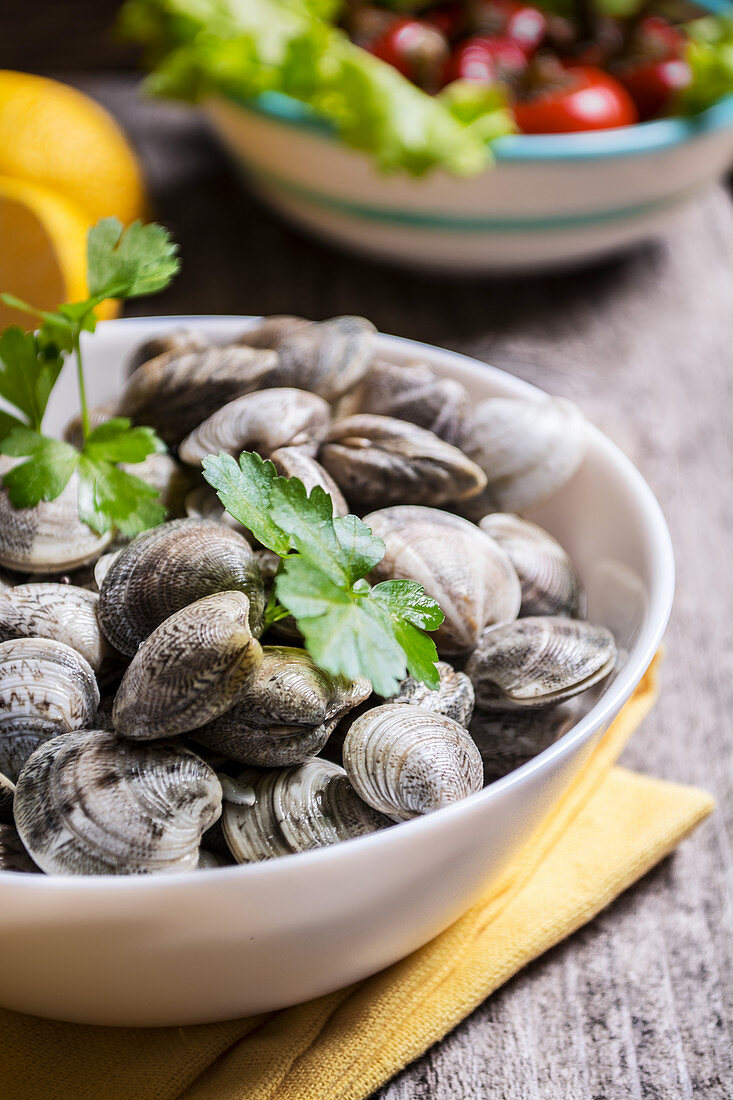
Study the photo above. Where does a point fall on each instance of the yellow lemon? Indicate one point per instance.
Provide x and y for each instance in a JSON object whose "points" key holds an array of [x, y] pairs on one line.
{"points": [[56, 136], [42, 250]]}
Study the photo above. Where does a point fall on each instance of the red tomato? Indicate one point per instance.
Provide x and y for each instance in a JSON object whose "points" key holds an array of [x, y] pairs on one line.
{"points": [[416, 49], [660, 39], [653, 84], [485, 60], [524, 24], [591, 100]]}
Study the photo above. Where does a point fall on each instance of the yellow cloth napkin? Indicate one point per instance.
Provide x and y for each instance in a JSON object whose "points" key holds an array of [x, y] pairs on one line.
{"points": [[609, 829]]}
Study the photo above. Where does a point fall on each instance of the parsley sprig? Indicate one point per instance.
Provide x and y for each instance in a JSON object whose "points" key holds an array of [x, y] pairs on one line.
{"points": [[121, 263], [349, 626]]}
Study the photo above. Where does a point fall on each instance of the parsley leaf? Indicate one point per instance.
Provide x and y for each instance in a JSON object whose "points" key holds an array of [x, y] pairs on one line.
{"points": [[340, 634], [245, 490], [117, 441], [127, 263], [29, 367], [46, 474], [349, 627], [109, 497]]}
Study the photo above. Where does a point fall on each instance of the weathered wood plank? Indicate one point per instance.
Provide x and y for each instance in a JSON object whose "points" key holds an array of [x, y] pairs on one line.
{"points": [[638, 1004]]}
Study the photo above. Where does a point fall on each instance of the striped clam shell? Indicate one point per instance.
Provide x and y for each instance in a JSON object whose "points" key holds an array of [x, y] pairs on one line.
{"points": [[46, 688], [549, 580], [326, 357], [377, 460], [49, 538], [406, 761], [527, 447], [460, 566], [261, 422], [168, 567], [453, 698], [90, 804], [193, 667], [296, 810], [539, 661], [62, 612]]}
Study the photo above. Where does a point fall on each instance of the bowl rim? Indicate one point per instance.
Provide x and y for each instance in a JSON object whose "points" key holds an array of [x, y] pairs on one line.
{"points": [[661, 594]]}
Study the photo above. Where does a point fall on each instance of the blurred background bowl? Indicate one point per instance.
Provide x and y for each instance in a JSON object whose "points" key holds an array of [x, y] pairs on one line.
{"points": [[550, 200]]}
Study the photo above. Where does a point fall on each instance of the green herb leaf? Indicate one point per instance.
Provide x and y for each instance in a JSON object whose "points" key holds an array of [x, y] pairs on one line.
{"points": [[29, 368], [109, 497], [7, 423], [308, 520], [411, 612], [46, 475], [127, 263], [245, 490], [340, 634], [117, 441]]}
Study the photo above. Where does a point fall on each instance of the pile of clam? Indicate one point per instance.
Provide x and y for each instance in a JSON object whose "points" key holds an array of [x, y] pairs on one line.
{"points": [[148, 725]]}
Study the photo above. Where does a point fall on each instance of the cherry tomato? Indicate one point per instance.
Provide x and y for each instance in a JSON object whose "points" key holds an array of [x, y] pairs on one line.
{"points": [[653, 84], [485, 60], [415, 48], [589, 100], [523, 23], [450, 19]]}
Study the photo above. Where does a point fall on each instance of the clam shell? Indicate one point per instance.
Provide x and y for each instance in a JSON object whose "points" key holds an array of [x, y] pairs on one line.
{"points": [[508, 739], [378, 460], [528, 448], [405, 760], [49, 538], [90, 804], [181, 340], [296, 462], [7, 792], [550, 583], [326, 357], [261, 422], [454, 697], [297, 809], [469, 575], [412, 392], [102, 567], [538, 661], [60, 611], [176, 391], [13, 856], [46, 688], [287, 715], [192, 668], [167, 568]]}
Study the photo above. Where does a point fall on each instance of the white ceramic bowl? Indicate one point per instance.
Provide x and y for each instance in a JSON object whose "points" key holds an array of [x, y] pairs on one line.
{"points": [[208, 946], [549, 201]]}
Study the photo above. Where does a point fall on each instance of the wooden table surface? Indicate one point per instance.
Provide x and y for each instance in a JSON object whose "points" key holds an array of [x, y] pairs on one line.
{"points": [[638, 1003]]}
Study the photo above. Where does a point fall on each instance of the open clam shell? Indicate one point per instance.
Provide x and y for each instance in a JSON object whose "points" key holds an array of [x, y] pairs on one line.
{"points": [[415, 393], [539, 661], [376, 460], [405, 761], [46, 688], [62, 612], [49, 538], [88, 803], [261, 422], [168, 567], [528, 449], [460, 566], [297, 809], [550, 582], [193, 667]]}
